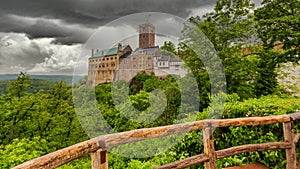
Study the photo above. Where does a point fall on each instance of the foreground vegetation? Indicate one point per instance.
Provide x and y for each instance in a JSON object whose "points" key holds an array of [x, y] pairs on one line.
{"points": [[32, 127]]}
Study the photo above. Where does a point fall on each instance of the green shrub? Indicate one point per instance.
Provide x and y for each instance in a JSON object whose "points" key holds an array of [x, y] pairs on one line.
{"points": [[21, 150]]}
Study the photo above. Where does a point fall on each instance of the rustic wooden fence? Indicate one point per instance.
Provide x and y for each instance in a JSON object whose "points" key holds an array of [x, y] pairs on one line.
{"points": [[98, 146]]}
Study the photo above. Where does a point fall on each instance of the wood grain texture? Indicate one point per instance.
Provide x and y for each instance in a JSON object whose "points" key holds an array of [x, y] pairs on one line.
{"points": [[73, 152], [63, 156], [290, 153], [191, 161], [249, 166], [209, 148], [99, 159], [296, 138], [201, 158], [251, 148], [295, 116]]}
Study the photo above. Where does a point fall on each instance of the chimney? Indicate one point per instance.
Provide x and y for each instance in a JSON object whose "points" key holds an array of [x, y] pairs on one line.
{"points": [[119, 47]]}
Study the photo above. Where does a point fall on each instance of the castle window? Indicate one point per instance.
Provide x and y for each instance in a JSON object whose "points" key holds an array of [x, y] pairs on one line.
{"points": [[107, 58], [111, 58], [115, 57]]}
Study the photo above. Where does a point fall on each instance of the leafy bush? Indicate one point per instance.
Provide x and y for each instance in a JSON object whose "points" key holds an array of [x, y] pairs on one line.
{"points": [[234, 136], [21, 150]]}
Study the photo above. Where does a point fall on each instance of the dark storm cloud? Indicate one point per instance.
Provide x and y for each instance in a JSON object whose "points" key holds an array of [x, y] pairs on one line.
{"points": [[89, 14], [94, 13], [84, 15], [35, 17], [44, 27]]}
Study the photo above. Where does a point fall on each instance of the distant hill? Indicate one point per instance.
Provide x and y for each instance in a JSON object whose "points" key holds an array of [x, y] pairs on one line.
{"points": [[51, 78], [44, 82]]}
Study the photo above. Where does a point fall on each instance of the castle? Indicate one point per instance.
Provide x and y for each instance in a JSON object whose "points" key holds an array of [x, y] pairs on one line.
{"points": [[122, 63]]}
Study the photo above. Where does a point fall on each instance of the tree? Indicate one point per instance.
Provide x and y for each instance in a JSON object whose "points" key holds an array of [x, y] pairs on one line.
{"points": [[278, 23], [17, 106], [19, 86], [168, 48], [278, 29], [49, 115], [230, 29], [230, 24]]}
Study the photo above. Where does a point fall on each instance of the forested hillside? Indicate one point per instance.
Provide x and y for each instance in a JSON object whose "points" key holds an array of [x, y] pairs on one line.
{"points": [[39, 123]]}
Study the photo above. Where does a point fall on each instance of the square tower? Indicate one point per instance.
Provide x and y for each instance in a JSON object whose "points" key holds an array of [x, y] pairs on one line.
{"points": [[146, 35]]}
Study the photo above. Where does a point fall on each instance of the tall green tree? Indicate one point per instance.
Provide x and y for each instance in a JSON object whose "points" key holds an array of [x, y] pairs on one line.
{"points": [[278, 22], [19, 86], [49, 115], [16, 107], [231, 29], [278, 27], [168, 48]]}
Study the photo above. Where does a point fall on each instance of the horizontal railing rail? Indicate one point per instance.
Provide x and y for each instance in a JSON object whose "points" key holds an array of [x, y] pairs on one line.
{"points": [[202, 158], [98, 146]]}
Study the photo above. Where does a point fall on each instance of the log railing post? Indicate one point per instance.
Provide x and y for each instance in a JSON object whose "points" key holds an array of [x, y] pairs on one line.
{"points": [[100, 159], [209, 148], [290, 153]]}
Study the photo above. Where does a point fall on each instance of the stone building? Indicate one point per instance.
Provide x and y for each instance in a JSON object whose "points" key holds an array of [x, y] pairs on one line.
{"points": [[122, 63], [165, 64], [104, 63], [142, 59]]}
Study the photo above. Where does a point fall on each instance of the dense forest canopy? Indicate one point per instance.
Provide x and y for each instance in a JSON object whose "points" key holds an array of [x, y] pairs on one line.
{"points": [[38, 120]]}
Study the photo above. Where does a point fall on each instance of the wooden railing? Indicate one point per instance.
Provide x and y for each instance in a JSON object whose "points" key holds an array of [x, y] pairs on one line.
{"points": [[98, 146]]}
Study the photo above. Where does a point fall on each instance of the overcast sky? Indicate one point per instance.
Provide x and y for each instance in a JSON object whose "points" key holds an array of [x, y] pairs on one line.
{"points": [[46, 36]]}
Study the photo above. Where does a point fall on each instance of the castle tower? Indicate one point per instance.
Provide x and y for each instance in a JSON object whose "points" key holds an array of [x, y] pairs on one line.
{"points": [[146, 35]]}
